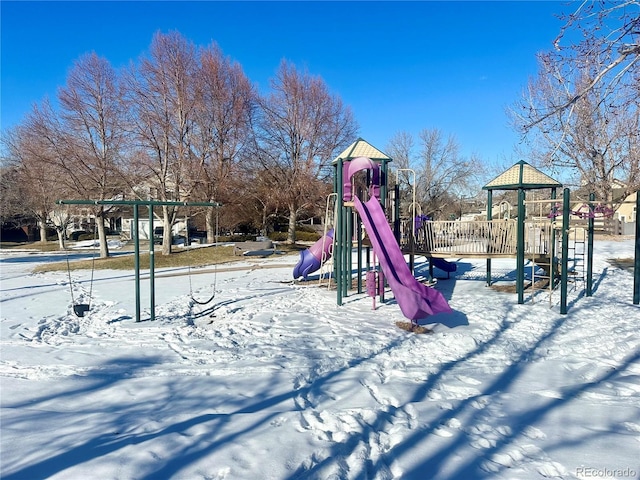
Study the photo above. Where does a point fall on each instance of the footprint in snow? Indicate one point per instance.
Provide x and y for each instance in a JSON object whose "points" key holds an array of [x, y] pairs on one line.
{"points": [[499, 461], [552, 470], [533, 433], [468, 380]]}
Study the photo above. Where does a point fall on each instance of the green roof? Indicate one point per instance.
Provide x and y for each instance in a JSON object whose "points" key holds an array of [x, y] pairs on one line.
{"points": [[362, 148], [522, 175]]}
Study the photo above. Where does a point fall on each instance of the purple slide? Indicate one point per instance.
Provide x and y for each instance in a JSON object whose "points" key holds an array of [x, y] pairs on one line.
{"points": [[444, 265], [415, 299], [312, 258]]}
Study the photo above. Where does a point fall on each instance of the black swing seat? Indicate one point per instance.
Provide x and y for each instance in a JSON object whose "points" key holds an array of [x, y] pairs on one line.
{"points": [[81, 309]]}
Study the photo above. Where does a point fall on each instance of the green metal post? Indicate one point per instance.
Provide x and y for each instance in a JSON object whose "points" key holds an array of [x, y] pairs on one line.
{"points": [[349, 251], [564, 272], [136, 258], [339, 232], [590, 234], [396, 212], [489, 217], [520, 248], [636, 263], [152, 261], [552, 249], [383, 181], [359, 253]]}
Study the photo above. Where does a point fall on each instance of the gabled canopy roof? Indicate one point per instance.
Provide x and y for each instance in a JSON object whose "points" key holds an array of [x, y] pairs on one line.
{"points": [[522, 175], [362, 148]]}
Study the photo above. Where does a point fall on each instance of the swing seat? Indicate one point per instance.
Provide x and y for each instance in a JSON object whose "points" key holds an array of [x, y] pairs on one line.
{"points": [[81, 309]]}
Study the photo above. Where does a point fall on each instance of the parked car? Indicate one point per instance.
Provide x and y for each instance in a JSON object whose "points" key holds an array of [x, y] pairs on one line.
{"points": [[158, 233]]}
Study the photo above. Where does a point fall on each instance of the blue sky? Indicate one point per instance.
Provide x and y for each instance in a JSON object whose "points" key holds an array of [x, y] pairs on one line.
{"points": [[401, 66]]}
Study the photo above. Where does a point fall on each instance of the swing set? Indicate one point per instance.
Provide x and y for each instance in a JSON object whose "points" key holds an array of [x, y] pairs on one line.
{"points": [[81, 309]]}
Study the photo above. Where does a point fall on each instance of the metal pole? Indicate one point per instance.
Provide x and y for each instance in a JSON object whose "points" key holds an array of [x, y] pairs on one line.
{"points": [[590, 233], [564, 273], [349, 250], [552, 249], [136, 259], [358, 222], [489, 217], [339, 232], [520, 248], [152, 280], [217, 224], [413, 215], [138, 202], [636, 263], [396, 212]]}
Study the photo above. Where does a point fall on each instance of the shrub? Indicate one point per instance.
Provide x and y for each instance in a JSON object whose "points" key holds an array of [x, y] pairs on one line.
{"points": [[307, 236], [300, 236], [305, 229], [278, 236]]}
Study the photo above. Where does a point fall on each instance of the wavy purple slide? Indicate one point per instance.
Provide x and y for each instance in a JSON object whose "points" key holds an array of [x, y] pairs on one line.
{"points": [[415, 299], [443, 265], [311, 259]]}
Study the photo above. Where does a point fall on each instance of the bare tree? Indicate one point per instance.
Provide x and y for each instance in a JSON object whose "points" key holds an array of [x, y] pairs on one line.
{"points": [[597, 139], [443, 175], [606, 31], [80, 146], [30, 184], [161, 95], [302, 127], [580, 113], [400, 148], [13, 210], [94, 134], [221, 128]]}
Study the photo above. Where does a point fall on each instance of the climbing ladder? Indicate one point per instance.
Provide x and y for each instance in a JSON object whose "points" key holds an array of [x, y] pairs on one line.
{"points": [[577, 250], [326, 263], [540, 248]]}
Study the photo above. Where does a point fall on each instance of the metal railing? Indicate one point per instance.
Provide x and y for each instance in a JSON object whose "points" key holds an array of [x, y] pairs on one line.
{"points": [[479, 238]]}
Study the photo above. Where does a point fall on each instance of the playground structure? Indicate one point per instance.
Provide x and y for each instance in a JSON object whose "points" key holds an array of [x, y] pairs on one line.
{"points": [[359, 186], [560, 248]]}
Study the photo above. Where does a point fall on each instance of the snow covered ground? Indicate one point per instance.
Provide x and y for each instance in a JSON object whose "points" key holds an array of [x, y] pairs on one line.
{"points": [[272, 380]]}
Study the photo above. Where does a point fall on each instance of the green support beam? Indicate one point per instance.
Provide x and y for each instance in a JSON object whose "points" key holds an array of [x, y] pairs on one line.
{"points": [[520, 247], [636, 263], [489, 217], [564, 272], [590, 235]]}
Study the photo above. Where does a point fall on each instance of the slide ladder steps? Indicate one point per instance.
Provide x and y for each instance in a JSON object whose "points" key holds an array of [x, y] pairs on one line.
{"points": [[577, 250], [539, 252]]}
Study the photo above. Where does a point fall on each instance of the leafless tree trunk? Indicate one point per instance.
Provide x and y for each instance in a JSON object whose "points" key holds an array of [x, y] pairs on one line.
{"points": [[162, 101], [60, 219], [302, 127]]}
